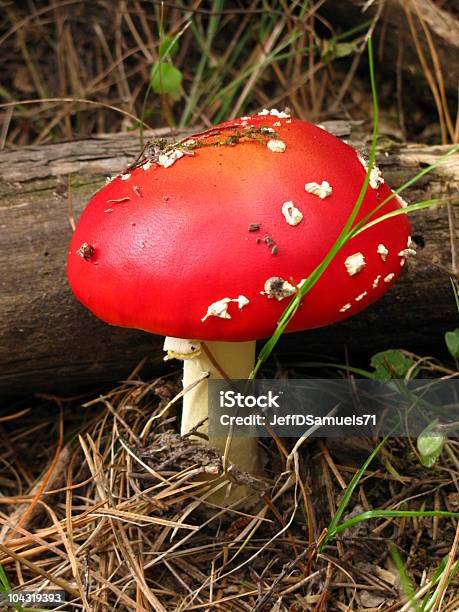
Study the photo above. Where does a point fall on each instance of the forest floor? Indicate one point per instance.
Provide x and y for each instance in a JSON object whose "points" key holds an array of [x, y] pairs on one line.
{"points": [[99, 496]]}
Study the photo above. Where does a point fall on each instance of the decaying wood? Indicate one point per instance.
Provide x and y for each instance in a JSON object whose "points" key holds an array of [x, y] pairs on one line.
{"points": [[47, 340]]}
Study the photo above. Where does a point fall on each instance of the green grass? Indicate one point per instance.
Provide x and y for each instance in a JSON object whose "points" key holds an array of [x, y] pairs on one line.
{"points": [[455, 293], [5, 587], [405, 581], [334, 526], [228, 62]]}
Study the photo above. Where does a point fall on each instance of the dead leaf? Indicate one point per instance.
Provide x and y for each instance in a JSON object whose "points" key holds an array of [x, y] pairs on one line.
{"points": [[371, 600]]}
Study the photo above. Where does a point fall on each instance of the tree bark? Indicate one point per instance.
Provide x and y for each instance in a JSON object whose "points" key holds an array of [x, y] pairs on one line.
{"points": [[50, 342]]}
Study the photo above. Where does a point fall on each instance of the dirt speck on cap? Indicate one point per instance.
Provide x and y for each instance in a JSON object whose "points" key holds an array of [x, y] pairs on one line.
{"points": [[277, 287], [86, 251]]}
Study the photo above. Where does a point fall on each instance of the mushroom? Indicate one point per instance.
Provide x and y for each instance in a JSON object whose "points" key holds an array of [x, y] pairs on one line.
{"points": [[179, 254]]}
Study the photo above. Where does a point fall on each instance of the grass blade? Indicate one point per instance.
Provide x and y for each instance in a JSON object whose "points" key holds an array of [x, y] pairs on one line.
{"points": [[404, 578], [334, 527]]}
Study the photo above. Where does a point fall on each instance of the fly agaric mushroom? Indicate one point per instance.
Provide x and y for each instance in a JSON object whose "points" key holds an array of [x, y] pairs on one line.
{"points": [[205, 242]]}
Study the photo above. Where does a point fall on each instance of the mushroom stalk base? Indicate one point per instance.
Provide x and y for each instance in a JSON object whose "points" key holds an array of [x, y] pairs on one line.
{"points": [[236, 360]]}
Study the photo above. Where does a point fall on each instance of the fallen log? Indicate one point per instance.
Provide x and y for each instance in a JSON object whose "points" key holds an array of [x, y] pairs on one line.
{"points": [[48, 341]]}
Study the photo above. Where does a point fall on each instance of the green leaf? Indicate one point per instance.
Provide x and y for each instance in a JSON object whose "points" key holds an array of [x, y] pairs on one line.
{"points": [[430, 445], [452, 342], [345, 48], [165, 78], [334, 50], [390, 364], [168, 47]]}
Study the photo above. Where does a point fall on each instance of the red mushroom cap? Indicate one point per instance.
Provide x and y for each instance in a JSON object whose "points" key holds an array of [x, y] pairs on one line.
{"points": [[209, 239]]}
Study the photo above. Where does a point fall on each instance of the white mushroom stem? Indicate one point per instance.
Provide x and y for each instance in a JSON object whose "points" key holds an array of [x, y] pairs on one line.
{"points": [[236, 360]]}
